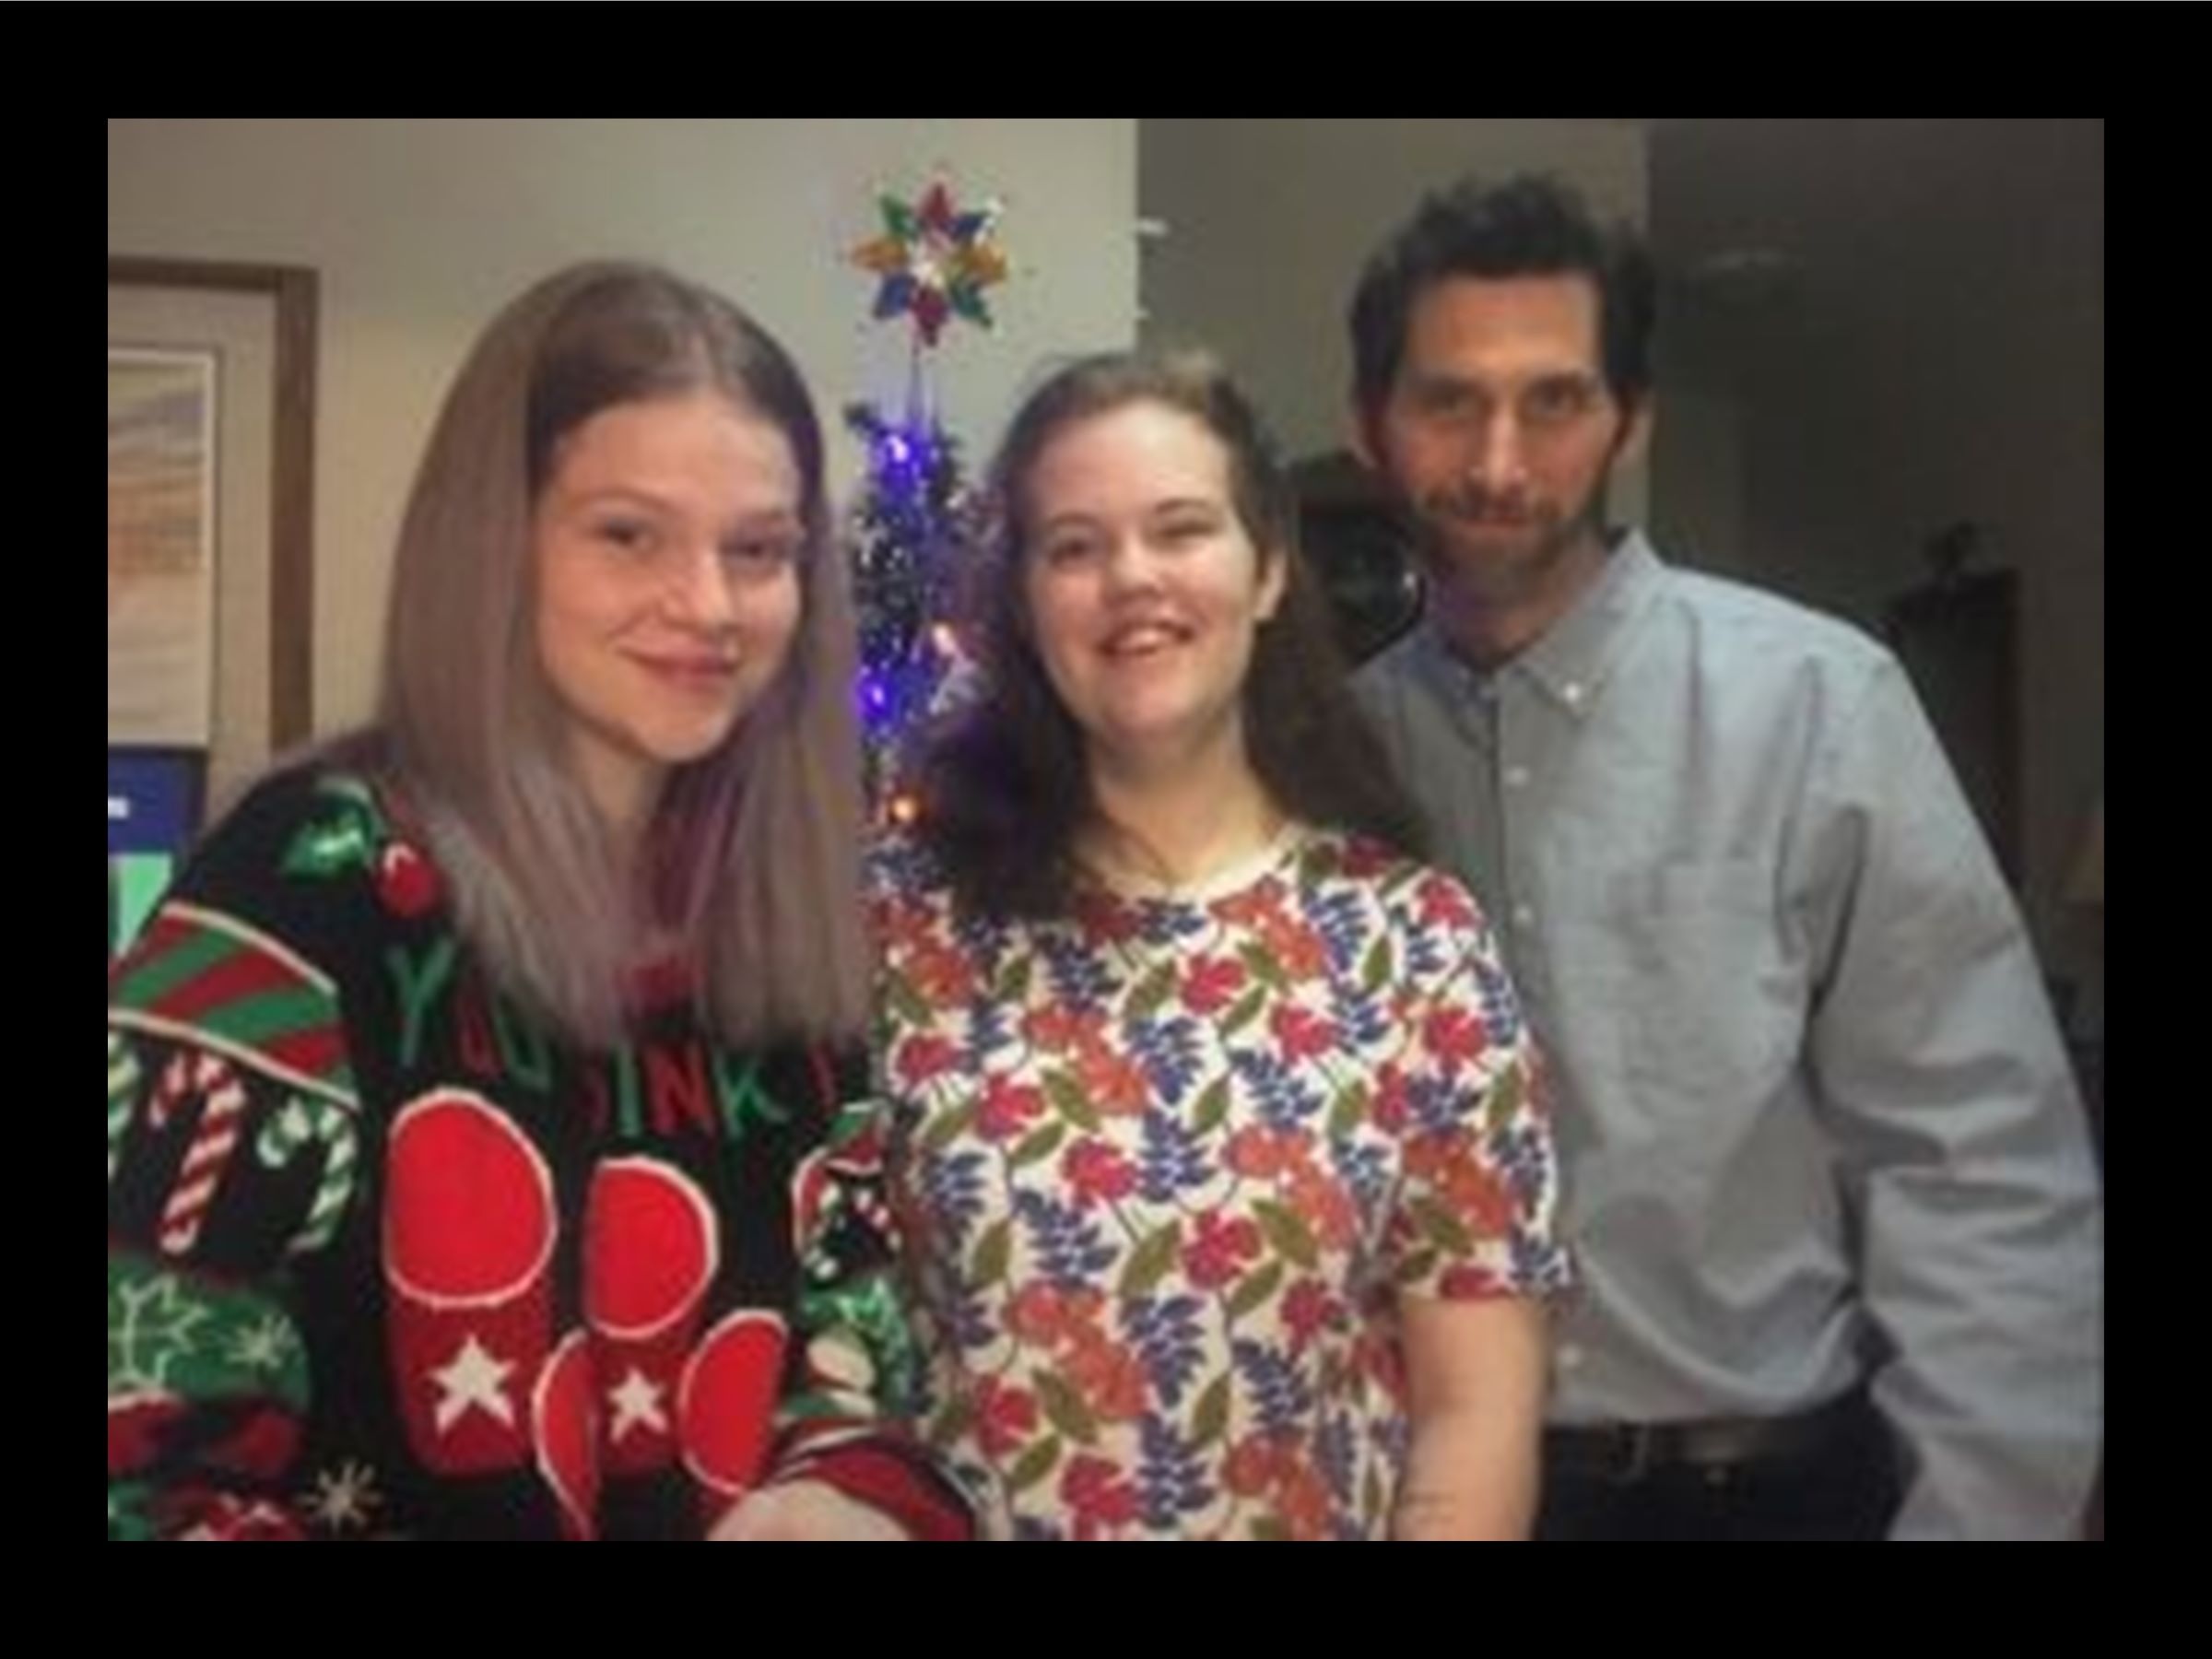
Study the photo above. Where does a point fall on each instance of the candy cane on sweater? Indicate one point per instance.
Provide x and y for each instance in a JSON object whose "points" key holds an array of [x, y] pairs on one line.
{"points": [[303, 1123], [214, 1139], [124, 1077]]}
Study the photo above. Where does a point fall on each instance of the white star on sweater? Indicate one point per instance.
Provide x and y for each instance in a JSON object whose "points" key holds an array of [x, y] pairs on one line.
{"points": [[637, 1402], [474, 1379]]}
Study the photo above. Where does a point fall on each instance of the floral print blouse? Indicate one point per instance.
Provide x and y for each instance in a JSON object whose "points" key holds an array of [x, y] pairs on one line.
{"points": [[1168, 1164]]}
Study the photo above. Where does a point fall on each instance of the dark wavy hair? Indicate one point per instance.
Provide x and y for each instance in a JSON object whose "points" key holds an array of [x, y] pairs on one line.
{"points": [[1007, 788], [1528, 226]]}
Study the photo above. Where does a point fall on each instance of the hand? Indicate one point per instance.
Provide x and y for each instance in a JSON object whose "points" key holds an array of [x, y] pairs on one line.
{"points": [[804, 1510]]}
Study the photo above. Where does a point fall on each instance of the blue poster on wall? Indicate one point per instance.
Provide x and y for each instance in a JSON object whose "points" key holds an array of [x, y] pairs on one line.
{"points": [[154, 797]]}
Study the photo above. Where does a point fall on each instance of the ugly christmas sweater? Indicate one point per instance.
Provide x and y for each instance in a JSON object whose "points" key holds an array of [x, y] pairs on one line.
{"points": [[386, 1260]]}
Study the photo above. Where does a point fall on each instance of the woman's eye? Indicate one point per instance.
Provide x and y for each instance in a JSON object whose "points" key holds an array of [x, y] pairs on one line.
{"points": [[626, 535], [759, 552]]}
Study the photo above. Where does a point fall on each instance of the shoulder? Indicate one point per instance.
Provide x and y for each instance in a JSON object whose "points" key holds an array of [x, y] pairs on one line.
{"points": [[316, 855], [1756, 632], [1423, 920]]}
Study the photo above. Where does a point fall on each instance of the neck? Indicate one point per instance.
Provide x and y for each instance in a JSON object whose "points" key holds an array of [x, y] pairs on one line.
{"points": [[1489, 627], [1178, 826]]}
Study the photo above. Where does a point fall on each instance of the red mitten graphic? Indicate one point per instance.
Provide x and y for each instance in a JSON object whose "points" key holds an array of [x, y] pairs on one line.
{"points": [[565, 1419], [469, 1229], [650, 1252], [726, 1404]]}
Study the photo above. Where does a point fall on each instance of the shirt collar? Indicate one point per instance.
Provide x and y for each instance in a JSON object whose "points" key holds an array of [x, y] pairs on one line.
{"points": [[1569, 664]]}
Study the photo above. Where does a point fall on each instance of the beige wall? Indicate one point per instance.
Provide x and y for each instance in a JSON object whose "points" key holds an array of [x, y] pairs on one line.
{"points": [[1267, 223], [421, 228]]}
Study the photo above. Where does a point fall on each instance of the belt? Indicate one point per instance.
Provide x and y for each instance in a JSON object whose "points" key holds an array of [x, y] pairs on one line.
{"points": [[1625, 1453]]}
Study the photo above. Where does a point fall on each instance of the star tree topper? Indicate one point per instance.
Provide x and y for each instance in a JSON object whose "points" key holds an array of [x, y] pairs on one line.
{"points": [[934, 261]]}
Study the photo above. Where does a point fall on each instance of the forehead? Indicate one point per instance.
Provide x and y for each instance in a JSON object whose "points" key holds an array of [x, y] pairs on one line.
{"points": [[1138, 452], [1507, 324], [701, 435]]}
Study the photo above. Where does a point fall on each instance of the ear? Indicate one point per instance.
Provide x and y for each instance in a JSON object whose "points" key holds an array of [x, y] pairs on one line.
{"points": [[1635, 432], [1362, 435], [1275, 580]]}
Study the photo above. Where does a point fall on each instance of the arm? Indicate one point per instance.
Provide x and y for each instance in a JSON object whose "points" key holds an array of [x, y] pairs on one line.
{"points": [[1475, 1389], [845, 1465], [231, 1153], [1935, 1057], [1474, 1250]]}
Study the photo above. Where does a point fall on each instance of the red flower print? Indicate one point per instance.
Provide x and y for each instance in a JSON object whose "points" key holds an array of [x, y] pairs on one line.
{"points": [[1114, 1082], [1057, 1029], [1004, 1416], [1300, 1033], [1218, 1250], [1450, 1164], [1298, 950], [1007, 1108], [1254, 905], [1253, 1465], [1260, 1153], [1212, 984], [1365, 857], [1465, 1281], [406, 882], [1445, 904], [1099, 1494], [1455, 1036], [1105, 919], [1109, 1376], [922, 1057], [1095, 1172], [941, 975], [1304, 1499], [1038, 1313], [1322, 1202], [1390, 1104], [1309, 1310], [902, 925]]}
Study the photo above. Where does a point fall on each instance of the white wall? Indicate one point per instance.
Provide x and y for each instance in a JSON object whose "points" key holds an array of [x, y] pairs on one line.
{"points": [[420, 229], [1269, 221]]}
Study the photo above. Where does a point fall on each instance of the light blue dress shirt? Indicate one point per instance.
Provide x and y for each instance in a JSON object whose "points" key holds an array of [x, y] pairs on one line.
{"points": [[1815, 1118]]}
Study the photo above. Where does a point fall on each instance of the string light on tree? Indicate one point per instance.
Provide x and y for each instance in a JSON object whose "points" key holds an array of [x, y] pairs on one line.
{"points": [[933, 260]]}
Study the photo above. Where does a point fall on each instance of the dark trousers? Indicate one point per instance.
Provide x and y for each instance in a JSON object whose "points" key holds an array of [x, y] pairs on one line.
{"points": [[1842, 1484]]}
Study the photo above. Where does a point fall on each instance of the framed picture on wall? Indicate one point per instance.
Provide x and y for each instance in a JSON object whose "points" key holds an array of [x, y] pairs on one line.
{"points": [[211, 375]]}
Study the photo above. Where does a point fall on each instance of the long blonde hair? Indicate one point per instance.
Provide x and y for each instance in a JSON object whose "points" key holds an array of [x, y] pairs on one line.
{"points": [[753, 858]]}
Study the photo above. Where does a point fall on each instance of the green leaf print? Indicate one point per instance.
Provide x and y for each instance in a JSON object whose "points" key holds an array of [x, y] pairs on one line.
{"points": [[1286, 1233], [1149, 1262], [994, 1252], [1255, 1290], [1212, 1107], [1069, 1100], [1034, 1464], [1210, 1421], [1063, 1409], [1038, 1143]]}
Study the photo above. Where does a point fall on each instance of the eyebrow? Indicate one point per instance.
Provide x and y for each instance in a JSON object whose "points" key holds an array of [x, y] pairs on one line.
{"points": [[766, 518]]}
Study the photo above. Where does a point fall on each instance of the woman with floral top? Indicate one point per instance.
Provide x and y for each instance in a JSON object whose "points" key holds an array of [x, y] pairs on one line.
{"points": [[487, 1146], [1214, 1115]]}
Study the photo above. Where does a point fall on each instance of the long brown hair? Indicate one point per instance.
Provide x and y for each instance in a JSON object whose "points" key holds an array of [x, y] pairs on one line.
{"points": [[752, 859], [1008, 789]]}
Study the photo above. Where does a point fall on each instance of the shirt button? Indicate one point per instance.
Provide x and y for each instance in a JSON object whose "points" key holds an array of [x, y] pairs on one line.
{"points": [[1524, 915], [1572, 692], [1516, 777], [1569, 1356]]}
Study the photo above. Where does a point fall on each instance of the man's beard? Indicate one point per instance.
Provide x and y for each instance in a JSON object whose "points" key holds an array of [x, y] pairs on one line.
{"points": [[1443, 525]]}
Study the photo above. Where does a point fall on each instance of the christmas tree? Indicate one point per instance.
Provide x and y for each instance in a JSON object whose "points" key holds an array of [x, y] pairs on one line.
{"points": [[915, 516]]}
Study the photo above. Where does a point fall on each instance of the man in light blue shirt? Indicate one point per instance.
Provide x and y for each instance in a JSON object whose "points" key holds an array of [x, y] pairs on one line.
{"points": [[1826, 1173]]}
